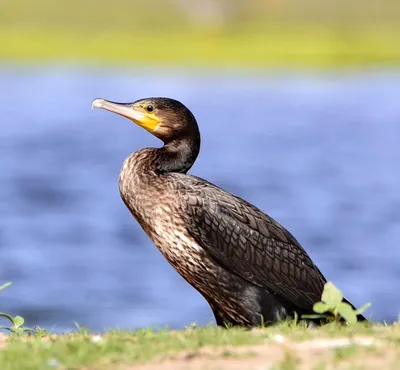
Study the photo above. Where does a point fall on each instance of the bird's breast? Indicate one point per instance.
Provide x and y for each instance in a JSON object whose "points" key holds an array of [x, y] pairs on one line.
{"points": [[158, 213], [165, 225], [171, 237]]}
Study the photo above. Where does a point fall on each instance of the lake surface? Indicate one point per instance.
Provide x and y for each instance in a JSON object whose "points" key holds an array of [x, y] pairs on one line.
{"points": [[319, 153]]}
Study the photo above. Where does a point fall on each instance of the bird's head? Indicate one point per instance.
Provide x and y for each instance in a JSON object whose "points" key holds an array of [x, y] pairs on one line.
{"points": [[165, 118]]}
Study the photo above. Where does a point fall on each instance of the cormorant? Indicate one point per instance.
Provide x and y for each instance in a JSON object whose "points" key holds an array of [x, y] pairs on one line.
{"points": [[250, 269]]}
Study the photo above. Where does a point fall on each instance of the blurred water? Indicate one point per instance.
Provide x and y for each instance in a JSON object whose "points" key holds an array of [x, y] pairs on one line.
{"points": [[320, 153]]}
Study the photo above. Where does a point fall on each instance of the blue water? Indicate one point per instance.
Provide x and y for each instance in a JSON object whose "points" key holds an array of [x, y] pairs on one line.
{"points": [[320, 153]]}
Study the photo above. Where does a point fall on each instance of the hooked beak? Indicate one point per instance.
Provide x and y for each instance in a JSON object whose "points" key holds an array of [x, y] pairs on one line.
{"points": [[147, 121]]}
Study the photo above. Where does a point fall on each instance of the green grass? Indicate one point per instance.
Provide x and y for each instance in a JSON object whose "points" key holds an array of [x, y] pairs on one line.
{"points": [[161, 33], [118, 349], [287, 345], [78, 350]]}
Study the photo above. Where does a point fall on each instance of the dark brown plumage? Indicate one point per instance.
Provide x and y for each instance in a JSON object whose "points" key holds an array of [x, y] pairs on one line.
{"points": [[246, 265]]}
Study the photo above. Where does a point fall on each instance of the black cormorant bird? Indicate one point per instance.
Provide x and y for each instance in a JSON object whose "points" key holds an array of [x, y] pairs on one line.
{"points": [[249, 268]]}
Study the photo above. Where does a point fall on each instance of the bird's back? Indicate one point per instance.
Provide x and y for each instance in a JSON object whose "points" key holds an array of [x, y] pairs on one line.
{"points": [[247, 241]]}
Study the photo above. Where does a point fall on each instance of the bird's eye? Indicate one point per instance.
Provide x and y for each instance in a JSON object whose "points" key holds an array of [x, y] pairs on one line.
{"points": [[149, 108]]}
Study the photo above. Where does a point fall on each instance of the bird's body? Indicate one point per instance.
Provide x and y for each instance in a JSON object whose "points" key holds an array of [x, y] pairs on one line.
{"points": [[246, 265]]}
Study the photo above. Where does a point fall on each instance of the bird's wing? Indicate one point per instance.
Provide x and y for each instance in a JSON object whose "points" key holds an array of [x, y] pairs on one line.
{"points": [[249, 243]]}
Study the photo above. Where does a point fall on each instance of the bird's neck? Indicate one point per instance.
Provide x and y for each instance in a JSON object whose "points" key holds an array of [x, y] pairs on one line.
{"points": [[178, 155]]}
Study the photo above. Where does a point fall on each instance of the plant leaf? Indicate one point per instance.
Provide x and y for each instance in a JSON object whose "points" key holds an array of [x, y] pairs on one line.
{"points": [[363, 308], [321, 307], [295, 318], [18, 321], [331, 295], [6, 285], [347, 312], [316, 316], [7, 316]]}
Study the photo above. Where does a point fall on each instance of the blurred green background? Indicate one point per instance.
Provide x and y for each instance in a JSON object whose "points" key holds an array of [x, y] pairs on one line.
{"points": [[257, 33]]}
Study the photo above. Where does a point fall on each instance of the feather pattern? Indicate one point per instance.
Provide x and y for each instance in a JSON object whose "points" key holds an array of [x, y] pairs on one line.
{"points": [[245, 264]]}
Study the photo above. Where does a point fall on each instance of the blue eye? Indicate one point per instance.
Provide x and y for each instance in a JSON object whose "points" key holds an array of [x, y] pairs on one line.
{"points": [[149, 108]]}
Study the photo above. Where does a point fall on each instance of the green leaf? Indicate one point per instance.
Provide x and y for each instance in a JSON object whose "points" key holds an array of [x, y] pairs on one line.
{"points": [[316, 316], [363, 308], [331, 295], [7, 316], [295, 318], [6, 285], [347, 312], [18, 321], [321, 307]]}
